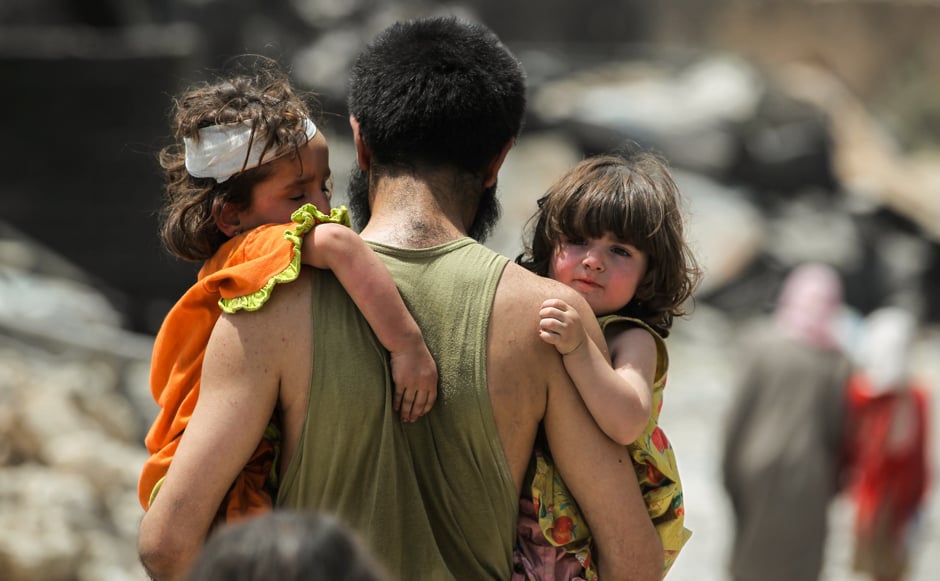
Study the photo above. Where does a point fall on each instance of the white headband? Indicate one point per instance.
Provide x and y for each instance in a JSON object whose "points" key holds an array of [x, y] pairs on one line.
{"points": [[222, 150]]}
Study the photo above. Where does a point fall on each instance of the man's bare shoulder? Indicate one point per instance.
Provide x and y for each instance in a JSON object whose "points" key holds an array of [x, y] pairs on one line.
{"points": [[521, 293], [277, 317], [519, 284], [516, 307], [283, 296]]}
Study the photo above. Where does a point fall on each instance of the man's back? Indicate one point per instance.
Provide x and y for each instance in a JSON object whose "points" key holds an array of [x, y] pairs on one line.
{"points": [[526, 383], [435, 105], [460, 466], [445, 494]]}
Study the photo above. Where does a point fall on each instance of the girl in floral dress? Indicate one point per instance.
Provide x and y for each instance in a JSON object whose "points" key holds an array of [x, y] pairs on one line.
{"points": [[612, 229]]}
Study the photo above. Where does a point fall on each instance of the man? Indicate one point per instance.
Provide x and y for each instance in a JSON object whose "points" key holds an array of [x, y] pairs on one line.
{"points": [[435, 106]]}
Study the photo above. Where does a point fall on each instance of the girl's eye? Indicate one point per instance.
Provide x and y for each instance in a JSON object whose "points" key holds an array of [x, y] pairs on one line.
{"points": [[620, 251], [576, 241], [297, 197]]}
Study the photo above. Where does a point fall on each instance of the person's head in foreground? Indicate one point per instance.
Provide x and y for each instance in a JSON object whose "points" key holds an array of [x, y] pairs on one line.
{"points": [[285, 546]]}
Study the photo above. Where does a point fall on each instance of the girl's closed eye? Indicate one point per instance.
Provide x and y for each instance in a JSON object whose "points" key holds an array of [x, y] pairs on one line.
{"points": [[326, 190]]}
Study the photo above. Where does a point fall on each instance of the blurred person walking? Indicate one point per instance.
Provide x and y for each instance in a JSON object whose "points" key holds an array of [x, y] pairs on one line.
{"points": [[783, 449], [888, 446]]}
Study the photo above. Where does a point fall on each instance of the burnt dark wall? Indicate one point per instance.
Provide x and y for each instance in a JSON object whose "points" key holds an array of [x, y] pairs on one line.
{"points": [[78, 171], [598, 23]]}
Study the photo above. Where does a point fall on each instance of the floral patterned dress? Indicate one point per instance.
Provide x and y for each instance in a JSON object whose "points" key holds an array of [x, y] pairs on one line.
{"points": [[558, 515]]}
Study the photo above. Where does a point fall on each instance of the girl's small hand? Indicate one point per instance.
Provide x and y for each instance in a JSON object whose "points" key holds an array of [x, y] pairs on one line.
{"points": [[560, 325], [415, 375]]}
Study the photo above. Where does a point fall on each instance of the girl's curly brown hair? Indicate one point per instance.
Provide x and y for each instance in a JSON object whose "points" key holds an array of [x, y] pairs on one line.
{"points": [[256, 90], [631, 195]]}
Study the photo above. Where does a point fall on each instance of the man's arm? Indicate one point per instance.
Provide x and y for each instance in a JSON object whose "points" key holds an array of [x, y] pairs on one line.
{"points": [[600, 475], [238, 393]]}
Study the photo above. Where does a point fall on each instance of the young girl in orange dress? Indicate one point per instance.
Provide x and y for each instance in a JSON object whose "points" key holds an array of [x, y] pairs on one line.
{"points": [[612, 229], [248, 190]]}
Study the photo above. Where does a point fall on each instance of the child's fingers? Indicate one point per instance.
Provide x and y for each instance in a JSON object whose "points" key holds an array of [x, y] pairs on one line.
{"points": [[397, 398], [551, 326], [424, 401], [556, 304], [548, 337], [432, 397], [421, 402], [551, 313], [407, 404], [419, 408], [560, 334]]}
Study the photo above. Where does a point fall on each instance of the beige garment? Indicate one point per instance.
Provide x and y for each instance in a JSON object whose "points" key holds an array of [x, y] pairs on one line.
{"points": [[782, 456]]}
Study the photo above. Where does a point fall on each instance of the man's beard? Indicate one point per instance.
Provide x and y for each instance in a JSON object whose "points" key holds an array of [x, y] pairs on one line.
{"points": [[484, 221], [358, 194]]}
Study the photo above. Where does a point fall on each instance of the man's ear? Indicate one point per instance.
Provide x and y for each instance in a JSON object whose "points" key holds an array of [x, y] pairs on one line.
{"points": [[492, 171], [228, 219], [363, 155]]}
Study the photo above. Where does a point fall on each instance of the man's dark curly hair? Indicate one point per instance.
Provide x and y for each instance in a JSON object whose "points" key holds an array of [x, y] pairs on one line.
{"points": [[437, 92]]}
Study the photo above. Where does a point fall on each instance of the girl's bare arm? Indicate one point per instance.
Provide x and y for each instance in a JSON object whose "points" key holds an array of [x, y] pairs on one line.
{"points": [[617, 392], [369, 284]]}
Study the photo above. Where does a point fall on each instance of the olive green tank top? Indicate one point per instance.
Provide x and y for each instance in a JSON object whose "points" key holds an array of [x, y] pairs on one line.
{"points": [[433, 499]]}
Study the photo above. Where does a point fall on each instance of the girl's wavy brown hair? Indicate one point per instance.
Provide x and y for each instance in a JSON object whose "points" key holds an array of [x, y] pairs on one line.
{"points": [[256, 90], [631, 195]]}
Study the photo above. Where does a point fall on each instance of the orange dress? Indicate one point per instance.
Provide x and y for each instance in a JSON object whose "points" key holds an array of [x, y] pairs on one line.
{"points": [[240, 276]]}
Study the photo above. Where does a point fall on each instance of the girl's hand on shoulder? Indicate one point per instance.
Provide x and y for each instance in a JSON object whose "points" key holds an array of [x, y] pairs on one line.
{"points": [[415, 376], [560, 325]]}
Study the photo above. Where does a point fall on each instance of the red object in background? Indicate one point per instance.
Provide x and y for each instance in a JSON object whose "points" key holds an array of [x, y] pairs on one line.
{"points": [[888, 471]]}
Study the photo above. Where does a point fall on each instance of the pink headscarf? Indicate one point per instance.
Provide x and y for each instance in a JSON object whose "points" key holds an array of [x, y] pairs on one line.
{"points": [[808, 306]]}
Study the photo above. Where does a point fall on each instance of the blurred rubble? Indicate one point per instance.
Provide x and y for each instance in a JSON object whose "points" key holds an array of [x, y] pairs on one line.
{"points": [[74, 401]]}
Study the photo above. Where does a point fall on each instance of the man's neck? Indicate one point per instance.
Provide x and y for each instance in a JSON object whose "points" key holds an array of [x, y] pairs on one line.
{"points": [[409, 212]]}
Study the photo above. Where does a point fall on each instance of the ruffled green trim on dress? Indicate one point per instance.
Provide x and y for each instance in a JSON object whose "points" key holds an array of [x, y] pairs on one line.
{"points": [[306, 217]]}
